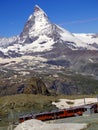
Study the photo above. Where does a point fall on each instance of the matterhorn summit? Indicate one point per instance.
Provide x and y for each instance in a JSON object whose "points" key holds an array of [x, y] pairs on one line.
{"points": [[37, 25]]}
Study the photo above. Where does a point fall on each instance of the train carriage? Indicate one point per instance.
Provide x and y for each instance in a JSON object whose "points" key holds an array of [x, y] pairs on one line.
{"points": [[74, 111]]}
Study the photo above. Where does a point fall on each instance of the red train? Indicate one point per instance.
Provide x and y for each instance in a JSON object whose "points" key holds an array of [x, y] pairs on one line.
{"points": [[74, 111]]}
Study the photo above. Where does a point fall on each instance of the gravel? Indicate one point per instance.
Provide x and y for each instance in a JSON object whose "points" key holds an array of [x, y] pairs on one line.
{"points": [[91, 120], [39, 125]]}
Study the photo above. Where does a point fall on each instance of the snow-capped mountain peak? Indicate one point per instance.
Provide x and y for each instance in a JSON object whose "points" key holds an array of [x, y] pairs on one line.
{"points": [[41, 23], [37, 24], [41, 35]]}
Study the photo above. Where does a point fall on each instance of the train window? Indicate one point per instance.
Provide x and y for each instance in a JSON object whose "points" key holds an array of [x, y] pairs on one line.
{"points": [[26, 118], [21, 118], [62, 112], [69, 111], [38, 115], [52, 114], [75, 110], [58, 113]]}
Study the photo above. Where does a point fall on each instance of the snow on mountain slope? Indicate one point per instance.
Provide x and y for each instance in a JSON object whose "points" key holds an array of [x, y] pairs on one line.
{"points": [[21, 59], [43, 43], [11, 47], [89, 38], [7, 41], [71, 38]]}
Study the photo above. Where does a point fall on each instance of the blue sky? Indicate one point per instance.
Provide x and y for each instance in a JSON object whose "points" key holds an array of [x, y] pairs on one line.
{"points": [[78, 16]]}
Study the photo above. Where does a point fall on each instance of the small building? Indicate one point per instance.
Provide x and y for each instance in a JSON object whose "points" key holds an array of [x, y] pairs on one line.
{"points": [[89, 109]]}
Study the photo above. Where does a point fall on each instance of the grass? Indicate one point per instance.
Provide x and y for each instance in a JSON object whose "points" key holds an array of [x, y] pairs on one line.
{"points": [[11, 107], [25, 103]]}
